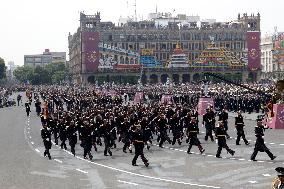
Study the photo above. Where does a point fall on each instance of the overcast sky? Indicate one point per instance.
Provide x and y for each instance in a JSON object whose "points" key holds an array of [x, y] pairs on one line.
{"points": [[30, 26]]}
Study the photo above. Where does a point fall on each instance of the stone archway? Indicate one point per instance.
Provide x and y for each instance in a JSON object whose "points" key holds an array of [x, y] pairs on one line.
{"points": [[91, 79], [251, 76], [126, 60], [185, 78], [164, 78], [144, 79], [175, 78], [196, 77], [153, 79], [121, 60]]}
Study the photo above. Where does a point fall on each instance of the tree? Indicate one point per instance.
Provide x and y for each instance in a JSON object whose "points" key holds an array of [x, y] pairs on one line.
{"points": [[51, 74], [2, 69]]}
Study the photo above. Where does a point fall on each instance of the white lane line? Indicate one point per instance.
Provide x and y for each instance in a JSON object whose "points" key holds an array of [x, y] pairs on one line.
{"points": [[57, 160], [281, 144], [37, 150], [85, 172], [266, 175], [260, 161], [271, 143], [233, 158], [252, 181], [210, 155], [125, 182], [32, 143], [241, 159], [144, 176]]}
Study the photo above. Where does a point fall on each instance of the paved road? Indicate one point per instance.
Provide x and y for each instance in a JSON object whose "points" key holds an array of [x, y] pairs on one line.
{"points": [[23, 165]]}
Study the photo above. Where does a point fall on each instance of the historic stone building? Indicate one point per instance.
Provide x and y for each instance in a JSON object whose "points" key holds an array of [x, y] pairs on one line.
{"points": [[87, 50]]}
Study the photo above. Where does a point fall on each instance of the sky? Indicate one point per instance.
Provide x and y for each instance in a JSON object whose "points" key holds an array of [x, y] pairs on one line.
{"points": [[30, 26]]}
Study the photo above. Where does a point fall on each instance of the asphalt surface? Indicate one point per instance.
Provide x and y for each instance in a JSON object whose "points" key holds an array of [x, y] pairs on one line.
{"points": [[24, 167]]}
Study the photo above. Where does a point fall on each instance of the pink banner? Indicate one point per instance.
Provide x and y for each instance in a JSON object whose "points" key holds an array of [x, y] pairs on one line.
{"points": [[203, 104], [167, 99], [254, 53], [276, 122], [91, 50], [138, 97]]}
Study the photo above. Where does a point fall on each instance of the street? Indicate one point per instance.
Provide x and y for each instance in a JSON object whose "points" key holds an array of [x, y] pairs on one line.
{"points": [[23, 165]]}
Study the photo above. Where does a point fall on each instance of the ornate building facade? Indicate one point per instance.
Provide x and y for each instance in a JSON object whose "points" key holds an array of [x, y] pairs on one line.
{"points": [[89, 48]]}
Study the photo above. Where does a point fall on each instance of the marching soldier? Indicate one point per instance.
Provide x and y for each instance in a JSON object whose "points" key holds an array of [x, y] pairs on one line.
{"points": [[221, 137], [192, 130], [208, 122], [28, 109], [72, 136], [86, 140], [138, 141], [46, 137], [105, 131], [223, 116], [278, 182], [162, 127], [259, 144], [239, 123]]}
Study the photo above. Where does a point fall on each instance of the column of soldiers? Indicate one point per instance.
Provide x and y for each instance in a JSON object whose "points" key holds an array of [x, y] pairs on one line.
{"points": [[97, 120]]}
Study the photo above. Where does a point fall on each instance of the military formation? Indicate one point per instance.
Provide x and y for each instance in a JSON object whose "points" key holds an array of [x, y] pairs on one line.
{"points": [[89, 117]]}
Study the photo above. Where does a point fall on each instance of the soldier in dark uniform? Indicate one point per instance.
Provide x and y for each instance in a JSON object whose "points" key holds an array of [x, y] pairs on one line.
{"points": [[221, 137], [72, 136], [62, 134], [176, 128], [162, 127], [86, 139], [19, 98], [28, 109], [138, 141], [239, 123], [105, 132], [223, 116], [208, 122], [192, 130], [125, 135], [46, 136], [278, 182], [259, 144]]}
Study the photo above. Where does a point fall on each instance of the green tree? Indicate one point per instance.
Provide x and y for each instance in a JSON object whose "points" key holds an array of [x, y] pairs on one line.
{"points": [[2, 69], [51, 74]]}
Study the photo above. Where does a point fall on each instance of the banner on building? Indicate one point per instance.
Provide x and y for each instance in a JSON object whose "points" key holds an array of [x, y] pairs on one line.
{"points": [[91, 51], [254, 53], [278, 49]]}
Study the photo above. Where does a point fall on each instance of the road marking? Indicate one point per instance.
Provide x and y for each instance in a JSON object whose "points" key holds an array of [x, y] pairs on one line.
{"points": [[140, 175], [241, 159], [233, 158], [85, 172], [266, 175], [271, 143], [37, 150], [252, 181], [32, 143], [125, 182], [57, 160], [210, 155], [281, 144], [260, 161]]}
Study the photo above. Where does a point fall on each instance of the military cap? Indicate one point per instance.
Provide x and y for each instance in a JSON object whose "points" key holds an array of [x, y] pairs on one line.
{"points": [[280, 171]]}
